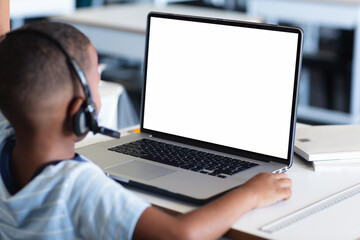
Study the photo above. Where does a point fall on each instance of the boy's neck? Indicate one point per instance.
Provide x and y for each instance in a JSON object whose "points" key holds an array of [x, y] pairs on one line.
{"points": [[30, 153]]}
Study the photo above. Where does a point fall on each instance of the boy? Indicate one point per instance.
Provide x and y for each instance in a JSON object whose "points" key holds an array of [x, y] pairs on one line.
{"points": [[48, 191]]}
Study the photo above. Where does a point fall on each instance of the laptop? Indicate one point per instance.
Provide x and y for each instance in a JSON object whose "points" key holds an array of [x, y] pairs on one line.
{"points": [[218, 107]]}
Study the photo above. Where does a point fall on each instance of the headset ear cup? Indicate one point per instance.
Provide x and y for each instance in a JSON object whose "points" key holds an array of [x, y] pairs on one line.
{"points": [[80, 127]]}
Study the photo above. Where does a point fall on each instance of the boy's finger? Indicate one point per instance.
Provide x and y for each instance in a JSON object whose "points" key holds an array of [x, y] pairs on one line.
{"points": [[285, 193], [285, 182]]}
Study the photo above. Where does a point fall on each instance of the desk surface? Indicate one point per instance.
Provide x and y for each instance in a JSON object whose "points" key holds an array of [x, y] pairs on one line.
{"points": [[337, 222], [132, 17]]}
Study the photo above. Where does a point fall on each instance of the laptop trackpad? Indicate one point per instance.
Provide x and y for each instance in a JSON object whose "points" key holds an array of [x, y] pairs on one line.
{"points": [[139, 170]]}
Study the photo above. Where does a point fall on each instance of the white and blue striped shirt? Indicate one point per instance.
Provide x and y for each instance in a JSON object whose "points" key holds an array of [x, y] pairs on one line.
{"points": [[72, 199]]}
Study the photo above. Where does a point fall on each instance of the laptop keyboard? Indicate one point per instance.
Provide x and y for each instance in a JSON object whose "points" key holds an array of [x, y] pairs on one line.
{"points": [[186, 158]]}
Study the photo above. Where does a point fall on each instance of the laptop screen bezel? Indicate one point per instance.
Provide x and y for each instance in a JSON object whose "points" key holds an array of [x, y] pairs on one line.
{"points": [[229, 150]]}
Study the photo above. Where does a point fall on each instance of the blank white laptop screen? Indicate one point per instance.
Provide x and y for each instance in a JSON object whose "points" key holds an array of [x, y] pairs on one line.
{"points": [[226, 85]]}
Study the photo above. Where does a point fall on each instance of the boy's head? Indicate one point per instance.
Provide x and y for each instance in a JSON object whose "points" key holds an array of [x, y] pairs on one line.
{"points": [[38, 88]]}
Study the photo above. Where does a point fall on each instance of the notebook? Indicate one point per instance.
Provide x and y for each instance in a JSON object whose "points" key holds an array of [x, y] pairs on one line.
{"points": [[218, 107], [329, 147]]}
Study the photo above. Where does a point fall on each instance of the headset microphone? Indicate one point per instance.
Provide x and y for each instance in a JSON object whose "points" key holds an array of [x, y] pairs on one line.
{"points": [[108, 132], [89, 108]]}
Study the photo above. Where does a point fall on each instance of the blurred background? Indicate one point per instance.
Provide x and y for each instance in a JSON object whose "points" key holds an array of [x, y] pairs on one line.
{"points": [[330, 79]]}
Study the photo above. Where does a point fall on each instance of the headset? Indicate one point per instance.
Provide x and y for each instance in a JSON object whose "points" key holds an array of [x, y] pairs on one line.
{"points": [[86, 118]]}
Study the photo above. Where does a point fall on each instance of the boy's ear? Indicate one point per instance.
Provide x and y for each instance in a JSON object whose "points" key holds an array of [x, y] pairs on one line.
{"points": [[75, 105], [73, 109]]}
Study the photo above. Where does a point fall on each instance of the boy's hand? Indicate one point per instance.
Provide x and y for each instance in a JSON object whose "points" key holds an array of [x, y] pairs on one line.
{"points": [[214, 219], [268, 188]]}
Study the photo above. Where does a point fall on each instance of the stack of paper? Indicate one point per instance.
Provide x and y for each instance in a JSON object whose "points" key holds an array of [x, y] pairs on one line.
{"points": [[330, 147]]}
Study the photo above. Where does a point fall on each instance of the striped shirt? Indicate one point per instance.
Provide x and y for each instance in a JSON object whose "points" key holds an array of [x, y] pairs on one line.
{"points": [[72, 199]]}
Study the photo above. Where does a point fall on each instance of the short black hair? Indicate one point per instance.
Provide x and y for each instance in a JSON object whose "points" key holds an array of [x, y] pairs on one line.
{"points": [[33, 69]]}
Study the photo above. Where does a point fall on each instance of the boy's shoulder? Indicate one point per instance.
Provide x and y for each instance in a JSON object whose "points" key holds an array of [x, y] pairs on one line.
{"points": [[72, 194], [59, 171], [65, 176]]}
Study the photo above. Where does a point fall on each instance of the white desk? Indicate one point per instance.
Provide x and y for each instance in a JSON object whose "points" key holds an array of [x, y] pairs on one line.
{"points": [[341, 14], [119, 30], [337, 222]]}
